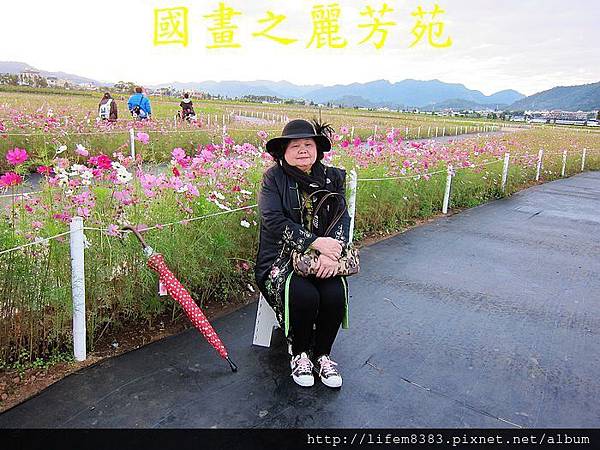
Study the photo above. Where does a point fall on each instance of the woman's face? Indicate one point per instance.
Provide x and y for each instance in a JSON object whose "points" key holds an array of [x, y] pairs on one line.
{"points": [[301, 153]]}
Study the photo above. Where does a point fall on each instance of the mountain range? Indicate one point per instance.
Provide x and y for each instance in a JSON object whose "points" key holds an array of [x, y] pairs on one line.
{"points": [[425, 95], [13, 67], [380, 93]]}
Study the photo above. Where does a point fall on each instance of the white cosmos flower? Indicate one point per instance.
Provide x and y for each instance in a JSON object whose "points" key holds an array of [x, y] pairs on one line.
{"points": [[245, 223], [226, 208]]}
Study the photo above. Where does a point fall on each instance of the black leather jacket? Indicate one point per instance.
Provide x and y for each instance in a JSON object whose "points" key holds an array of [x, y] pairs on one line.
{"points": [[281, 230]]}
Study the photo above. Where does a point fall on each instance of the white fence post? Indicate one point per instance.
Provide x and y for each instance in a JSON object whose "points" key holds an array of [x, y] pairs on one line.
{"points": [[375, 131], [78, 287], [419, 133], [352, 201], [436, 131], [564, 163], [428, 131], [132, 142], [447, 192], [352, 134], [444, 132], [539, 165], [505, 171], [583, 159]]}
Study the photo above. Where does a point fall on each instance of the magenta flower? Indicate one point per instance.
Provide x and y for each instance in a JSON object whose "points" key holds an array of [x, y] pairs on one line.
{"points": [[10, 179], [44, 170], [101, 162], [16, 156]]}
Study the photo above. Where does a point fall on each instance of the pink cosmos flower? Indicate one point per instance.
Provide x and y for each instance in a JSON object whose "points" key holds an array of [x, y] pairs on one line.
{"points": [[10, 179], [144, 138], [124, 197], [63, 217], [262, 134], [192, 190], [178, 154], [16, 156], [81, 151], [113, 230], [36, 224], [83, 212]]}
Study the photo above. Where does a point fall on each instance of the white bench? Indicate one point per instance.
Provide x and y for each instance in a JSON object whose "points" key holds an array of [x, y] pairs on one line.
{"points": [[265, 322]]}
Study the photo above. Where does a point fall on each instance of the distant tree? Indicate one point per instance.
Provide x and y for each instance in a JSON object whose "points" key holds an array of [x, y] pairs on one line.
{"points": [[125, 86], [7, 78], [40, 82], [598, 115]]}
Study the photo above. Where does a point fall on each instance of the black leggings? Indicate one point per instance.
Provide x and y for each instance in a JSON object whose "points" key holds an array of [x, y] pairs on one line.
{"points": [[319, 301]]}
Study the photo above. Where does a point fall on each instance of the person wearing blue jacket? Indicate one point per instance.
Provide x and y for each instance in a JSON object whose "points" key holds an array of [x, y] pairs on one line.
{"points": [[139, 105]]}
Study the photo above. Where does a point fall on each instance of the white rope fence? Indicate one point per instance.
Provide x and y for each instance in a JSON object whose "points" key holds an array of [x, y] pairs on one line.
{"points": [[40, 241]]}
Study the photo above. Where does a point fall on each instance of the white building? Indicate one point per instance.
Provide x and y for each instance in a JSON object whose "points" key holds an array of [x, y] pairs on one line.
{"points": [[56, 82], [29, 77]]}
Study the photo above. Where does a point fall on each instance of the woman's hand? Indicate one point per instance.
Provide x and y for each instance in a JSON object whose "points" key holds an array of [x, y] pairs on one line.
{"points": [[326, 267], [329, 247]]}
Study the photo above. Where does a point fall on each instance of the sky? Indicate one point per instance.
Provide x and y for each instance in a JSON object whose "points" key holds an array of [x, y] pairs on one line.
{"points": [[526, 45]]}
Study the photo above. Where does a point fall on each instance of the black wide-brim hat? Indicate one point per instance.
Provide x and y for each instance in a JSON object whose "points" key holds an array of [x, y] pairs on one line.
{"points": [[297, 129]]}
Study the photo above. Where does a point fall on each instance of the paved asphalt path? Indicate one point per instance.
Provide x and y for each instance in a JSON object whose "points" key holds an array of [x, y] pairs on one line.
{"points": [[487, 318]]}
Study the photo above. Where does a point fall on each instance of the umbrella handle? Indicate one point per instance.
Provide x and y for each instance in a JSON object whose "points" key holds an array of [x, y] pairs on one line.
{"points": [[231, 364], [147, 249]]}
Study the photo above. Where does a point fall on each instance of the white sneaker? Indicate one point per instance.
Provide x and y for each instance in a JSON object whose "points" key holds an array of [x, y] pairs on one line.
{"points": [[302, 370], [328, 373]]}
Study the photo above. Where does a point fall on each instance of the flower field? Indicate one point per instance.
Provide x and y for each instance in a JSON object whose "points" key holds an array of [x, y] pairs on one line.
{"points": [[183, 172]]}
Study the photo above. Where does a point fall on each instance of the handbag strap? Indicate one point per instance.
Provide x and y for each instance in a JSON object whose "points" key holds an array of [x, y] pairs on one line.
{"points": [[320, 204]]}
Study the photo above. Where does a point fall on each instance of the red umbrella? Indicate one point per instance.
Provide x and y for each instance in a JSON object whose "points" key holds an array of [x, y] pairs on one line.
{"points": [[157, 263]]}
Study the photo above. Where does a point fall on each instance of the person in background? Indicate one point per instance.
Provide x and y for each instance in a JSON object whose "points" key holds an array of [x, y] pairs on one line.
{"points": [[139, 105], [107, 109], [187, 108]]}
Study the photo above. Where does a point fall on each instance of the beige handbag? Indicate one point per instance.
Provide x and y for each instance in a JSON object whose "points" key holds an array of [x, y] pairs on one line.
{"points": [[305, 263]]}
